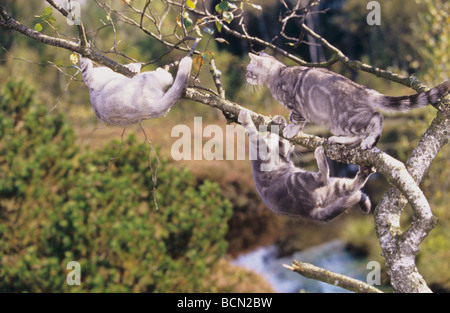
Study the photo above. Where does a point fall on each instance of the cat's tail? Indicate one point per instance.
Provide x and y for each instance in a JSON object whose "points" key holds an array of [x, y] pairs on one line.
{"points": [[419, 100], [86, 70], [175, 92]]}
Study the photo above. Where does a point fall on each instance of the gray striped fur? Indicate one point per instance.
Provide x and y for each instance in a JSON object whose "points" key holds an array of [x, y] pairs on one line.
{"points": [[323, 97], [289, 190]]}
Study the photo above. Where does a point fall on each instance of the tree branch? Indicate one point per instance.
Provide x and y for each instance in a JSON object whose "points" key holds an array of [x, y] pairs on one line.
{"points": [[11, 23], [310, 271], [80, 27], [399, 249]]}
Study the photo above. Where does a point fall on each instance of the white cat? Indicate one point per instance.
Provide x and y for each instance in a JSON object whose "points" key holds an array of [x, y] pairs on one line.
{"points": [[120, 100]]}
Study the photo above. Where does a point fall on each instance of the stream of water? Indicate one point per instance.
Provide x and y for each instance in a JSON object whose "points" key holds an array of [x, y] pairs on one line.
{"points": [[331, 256]]}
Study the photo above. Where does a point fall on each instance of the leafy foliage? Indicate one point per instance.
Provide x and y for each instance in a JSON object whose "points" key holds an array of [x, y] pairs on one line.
{"points": [[58, 204], [435, 20]]}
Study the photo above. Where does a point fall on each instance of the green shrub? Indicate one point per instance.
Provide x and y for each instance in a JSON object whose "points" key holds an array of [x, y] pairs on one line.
{"points": [[58, 204]]}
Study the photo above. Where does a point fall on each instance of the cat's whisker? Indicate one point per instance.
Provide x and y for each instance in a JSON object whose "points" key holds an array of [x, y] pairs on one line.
{"points": [[297, 157]]}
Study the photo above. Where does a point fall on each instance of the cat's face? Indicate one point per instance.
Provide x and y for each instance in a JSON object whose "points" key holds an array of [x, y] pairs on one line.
{"points": [[259, 68]]}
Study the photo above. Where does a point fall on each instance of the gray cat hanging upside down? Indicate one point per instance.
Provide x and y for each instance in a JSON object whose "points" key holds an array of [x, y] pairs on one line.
{"points": [[289, 190], [120, 100], [320, 96]]}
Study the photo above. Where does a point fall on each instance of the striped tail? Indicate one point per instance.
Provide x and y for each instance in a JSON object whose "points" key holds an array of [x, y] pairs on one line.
{"points": [[419, 100]]}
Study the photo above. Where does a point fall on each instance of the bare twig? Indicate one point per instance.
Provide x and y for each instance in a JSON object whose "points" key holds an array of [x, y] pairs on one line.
{"points": [[310, 271]]}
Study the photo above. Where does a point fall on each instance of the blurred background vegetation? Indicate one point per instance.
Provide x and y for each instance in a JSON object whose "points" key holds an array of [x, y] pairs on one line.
{"points": [[70, 189]]}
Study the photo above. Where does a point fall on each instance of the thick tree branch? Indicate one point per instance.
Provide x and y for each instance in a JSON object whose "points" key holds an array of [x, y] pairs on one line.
{"points": [[399, 249]]}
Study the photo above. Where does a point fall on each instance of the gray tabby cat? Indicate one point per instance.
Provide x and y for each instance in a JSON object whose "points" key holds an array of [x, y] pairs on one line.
{"points": [[289, 190], [120, 100], [320, 96]]}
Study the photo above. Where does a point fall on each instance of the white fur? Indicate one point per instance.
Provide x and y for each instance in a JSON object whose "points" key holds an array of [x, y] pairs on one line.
{"points": [[120, 100]]}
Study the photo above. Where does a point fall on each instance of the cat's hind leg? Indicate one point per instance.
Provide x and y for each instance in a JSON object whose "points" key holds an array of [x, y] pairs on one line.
{"points": [[328, 212], [361, 177], [360, 197], [322, 164], [345, 193]]}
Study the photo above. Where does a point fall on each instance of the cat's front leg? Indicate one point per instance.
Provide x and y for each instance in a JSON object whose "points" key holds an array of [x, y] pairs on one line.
{"points": [[322, 164], [245, 119], [362, 176], [297, 124]]}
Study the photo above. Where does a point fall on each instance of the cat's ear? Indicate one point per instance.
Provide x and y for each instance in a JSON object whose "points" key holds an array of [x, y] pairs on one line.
{"points": [[253, 57]]}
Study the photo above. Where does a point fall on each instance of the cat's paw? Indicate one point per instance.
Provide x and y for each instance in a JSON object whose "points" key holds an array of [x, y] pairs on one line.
{"points": [[364, 204], [244, 117], [368, 143], [134, 67], [367, 170], [319, 152], [279, 120], [291, 130]]}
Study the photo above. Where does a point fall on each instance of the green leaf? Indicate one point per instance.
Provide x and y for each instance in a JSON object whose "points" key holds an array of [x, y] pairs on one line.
{"points": [[190, 4], [187, 20], [38, 27], [207, 56], [222, 6], [219, 26], [47, 13], [228, 17]]}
